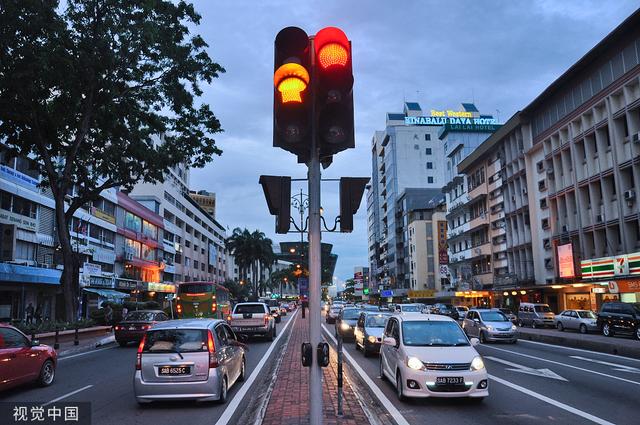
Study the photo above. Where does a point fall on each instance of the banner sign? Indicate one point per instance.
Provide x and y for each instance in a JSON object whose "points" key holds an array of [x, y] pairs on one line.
{"points": [[387, 293], [565, 261], [427, 293], [621, 265], [443, 256], [303, 286]]}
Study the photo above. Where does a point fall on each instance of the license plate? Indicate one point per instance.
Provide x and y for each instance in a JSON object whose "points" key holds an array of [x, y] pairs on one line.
{"points": [[174, 370], [449, 380]]}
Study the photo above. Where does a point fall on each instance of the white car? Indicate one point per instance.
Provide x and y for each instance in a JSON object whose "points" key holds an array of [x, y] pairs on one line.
{"points": [[409, 308], [428, 355]]}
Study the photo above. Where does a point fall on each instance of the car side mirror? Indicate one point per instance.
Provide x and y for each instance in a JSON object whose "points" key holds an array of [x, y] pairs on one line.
{"points": [[390, 341], [35, 342], [474, 341]]}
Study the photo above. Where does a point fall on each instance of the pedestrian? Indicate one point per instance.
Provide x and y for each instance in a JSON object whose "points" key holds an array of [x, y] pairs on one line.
{"points": [[29, 313], [108, 315], [38, 314]]}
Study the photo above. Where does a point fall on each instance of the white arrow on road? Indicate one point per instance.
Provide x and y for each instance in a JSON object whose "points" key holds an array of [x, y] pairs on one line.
{"points": [[618, 367], [545, 373]]}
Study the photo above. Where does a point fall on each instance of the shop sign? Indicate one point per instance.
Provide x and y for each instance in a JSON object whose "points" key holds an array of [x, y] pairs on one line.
{"points": [[621, 265], [100, 282], [97, 212], [456, 123], [91, 269], [565, 261], [18, 177], [444, 271], [426, 293], [443, 256], [386, 293], [21, 221], [624, 286], [599, 290], [126, 284]]}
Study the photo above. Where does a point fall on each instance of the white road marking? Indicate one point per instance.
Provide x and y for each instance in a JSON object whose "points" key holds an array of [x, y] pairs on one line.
{"points": [[395, 413], [563, 364], [616, 366], [545, 373], [595, 353], [233, 405], [551, 401], [67, 395], [84, 354]]}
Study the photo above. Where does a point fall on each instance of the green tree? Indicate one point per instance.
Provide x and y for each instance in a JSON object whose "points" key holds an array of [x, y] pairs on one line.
{"points": [[239, 291], [253, 252], [349, 290], [85, 86]]}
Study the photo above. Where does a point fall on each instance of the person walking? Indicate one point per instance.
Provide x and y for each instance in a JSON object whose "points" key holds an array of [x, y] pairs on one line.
{"points": [[29, 313], [108, 315], [38, 314]]}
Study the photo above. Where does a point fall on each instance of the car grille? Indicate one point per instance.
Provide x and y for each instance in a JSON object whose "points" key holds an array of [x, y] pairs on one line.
{"points": [[447, 366], [457, 388], [502, 335], [504, 329]]}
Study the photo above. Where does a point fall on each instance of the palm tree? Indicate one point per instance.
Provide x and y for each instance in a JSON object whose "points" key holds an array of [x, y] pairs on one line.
{"points": [[253, 252]]}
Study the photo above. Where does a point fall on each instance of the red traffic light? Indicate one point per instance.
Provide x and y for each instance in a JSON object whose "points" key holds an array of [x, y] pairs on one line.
{"points": [[332, 48]]}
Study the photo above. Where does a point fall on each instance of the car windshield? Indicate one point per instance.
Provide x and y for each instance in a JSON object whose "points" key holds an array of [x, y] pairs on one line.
{"points": [[140, 316], [376, 321], [249, 309], [433, 334], [542, 308], [493, 316], [350, 314], [411, 308], [175, 340], [586, 315]]}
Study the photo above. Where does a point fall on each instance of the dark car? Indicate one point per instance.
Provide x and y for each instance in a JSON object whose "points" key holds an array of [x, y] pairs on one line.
{"points": [[447, 310], [346, 322], [135, 324], [619, 318], [23, 360]]}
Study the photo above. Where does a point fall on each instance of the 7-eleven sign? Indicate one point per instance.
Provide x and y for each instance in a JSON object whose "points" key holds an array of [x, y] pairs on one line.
{"points": [[621, 266]]}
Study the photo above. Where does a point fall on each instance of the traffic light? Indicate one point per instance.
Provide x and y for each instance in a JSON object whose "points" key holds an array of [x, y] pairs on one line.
{"points": [[277, 191], [334, 95], [292, 92], [351, 191]]}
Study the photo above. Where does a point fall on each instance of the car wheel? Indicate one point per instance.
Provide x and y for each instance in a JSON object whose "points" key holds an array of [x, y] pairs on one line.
{"points": [[399, 389], [122, 343], [243, 370], [483, 339], [561, 327], [223, 391], [583, 328], [638, 332], [47, 373], [606, 330]]}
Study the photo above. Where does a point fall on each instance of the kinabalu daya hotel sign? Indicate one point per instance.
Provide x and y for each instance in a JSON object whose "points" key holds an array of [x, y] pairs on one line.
{"points": [[449, 117]]}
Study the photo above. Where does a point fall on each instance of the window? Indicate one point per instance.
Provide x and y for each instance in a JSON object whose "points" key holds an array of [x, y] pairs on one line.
{"points": [[148, 253], [427, 151], [429, 179], [150, 230], [10, 338], [132, 222], [427, 137], [132, 247], [429, 165], [416, 147]]}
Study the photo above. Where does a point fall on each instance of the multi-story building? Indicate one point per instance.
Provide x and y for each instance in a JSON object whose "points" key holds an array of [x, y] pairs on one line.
{"points": [[361, 278], [206, 200]]}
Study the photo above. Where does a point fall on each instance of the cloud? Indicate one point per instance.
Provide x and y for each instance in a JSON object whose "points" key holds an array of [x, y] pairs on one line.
{"points": [[499, 54]]}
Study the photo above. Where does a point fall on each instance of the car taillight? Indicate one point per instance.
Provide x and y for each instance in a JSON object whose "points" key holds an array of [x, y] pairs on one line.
{"points": [[214, 306], [139, 355], [213, 360], [145, 327], [117, 328], [228, 319], [179, 308], [266, 319]]}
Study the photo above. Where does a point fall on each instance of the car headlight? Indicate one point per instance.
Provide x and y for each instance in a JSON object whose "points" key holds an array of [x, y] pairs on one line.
{"points": [[477, 363], [513, 327], [372, 339], [489, 327], [415, 363], [344, 326]]}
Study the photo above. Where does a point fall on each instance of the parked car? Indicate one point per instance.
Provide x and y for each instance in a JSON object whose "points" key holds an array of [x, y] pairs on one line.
{"points": [[408, 308], [619, 318], [580, 320], [346, 322], [489, 325], [446, 310], [283, 309], [133, 327], [24, 360], [535, 314], [430, 356], [368, 331], [507, 312], [192, 359], [462, 311], [253, 319], [332, 314]]}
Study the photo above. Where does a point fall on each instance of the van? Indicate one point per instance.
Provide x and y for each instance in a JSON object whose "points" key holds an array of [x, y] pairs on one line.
{"points": [[535, 314]]}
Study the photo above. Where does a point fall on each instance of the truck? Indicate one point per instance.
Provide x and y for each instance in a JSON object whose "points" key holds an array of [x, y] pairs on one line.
{"points": [[252, 318]]}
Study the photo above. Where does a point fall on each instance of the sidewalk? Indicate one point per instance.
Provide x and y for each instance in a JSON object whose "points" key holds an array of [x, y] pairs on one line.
{"points": [[289, 403]]}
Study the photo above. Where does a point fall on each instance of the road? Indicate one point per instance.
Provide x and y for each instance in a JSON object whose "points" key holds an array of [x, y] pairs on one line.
{"points": [[105, 378], [530, 383]]}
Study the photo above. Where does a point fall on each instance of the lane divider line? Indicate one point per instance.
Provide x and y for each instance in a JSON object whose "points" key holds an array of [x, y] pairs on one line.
{"points": [[84, 354], [551, 401], [67, 395], [516, 353], [596, 353], [386, 403], [235, 402]]}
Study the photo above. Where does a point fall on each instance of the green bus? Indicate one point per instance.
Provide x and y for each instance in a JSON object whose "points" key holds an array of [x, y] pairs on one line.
{"points": [[202, 299]]}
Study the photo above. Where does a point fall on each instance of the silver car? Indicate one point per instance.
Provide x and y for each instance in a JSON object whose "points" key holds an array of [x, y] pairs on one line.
{"points": [[368, 331], [192, 359], [489, 325], [581, 320]]}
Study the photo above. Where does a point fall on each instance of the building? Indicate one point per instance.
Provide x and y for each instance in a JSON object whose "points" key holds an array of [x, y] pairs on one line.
{"points": [[361, 279], [407, 154], [206, 200]]}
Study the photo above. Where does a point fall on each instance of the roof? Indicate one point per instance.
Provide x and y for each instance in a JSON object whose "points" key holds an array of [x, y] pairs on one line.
{"points": [[414, 317], [413, 106], [488, 145], [186, 324], [395, 116], [470, 107]]}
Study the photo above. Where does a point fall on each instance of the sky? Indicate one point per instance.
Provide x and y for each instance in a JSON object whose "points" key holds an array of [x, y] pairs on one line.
{"points": [[498, 54]]}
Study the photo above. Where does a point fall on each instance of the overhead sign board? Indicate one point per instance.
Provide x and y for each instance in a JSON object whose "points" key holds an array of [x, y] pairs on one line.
{"points": [[565, 261], [386, 293], [621, 265]]}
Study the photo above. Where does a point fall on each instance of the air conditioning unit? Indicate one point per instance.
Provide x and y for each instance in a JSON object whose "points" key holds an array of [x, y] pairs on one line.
{"points": [[547, 244], [565, 228], [548, 264], [635, 138], [629, 195], [599, 218]]}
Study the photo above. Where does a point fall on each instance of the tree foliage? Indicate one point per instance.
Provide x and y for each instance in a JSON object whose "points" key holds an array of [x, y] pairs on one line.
{"points": [[253, 253]]}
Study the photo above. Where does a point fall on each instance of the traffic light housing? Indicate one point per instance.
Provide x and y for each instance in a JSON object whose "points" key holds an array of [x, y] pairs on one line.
{"points": [[351, 191], [292, 92], [334, 92], [277, 191]]}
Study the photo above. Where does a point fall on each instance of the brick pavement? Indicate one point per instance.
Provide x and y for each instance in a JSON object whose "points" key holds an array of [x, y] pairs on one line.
{"points": [[289, 403]]}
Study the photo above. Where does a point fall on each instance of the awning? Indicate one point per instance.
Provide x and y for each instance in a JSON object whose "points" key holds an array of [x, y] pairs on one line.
{"points": [[26, 236], [45, 239], [107, 293]]}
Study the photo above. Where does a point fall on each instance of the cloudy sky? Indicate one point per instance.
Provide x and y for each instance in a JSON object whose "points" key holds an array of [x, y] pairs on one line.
{"points": [[499, 54]]}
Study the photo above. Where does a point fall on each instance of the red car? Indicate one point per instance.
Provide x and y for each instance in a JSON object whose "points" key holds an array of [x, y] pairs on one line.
{"points": [[23, 360], [135, 325]]}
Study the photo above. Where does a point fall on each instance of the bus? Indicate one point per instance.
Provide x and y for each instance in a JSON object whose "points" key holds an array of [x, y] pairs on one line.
{"points": [[202, 299]]}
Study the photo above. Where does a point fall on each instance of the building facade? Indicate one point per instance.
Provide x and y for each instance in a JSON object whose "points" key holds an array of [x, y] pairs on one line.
{"points": [[206, 200]]}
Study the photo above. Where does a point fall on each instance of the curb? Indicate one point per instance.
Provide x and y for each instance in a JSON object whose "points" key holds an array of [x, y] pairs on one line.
{"points": [[614, 347]]}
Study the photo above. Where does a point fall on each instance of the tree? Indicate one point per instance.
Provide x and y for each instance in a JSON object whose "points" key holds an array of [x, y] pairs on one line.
{"points": [[239, 291], [84, 90], [349, 290], [252, 252]]}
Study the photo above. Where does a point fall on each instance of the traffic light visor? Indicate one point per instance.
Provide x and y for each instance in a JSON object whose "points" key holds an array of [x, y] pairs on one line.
{"points": [[291, 79], [332, 47]]}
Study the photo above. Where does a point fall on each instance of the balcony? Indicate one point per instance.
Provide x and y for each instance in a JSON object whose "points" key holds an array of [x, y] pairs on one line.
{"points": [[481, 220], [481, 250], [457, 231], [480, 190]]}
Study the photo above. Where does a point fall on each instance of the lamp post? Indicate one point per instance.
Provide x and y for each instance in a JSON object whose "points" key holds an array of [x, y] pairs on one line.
{"points": [[301, 203]]}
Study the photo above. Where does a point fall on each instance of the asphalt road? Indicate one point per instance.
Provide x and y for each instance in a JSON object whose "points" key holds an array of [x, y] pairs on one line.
{"points": [[104, 377], [531, 383]]}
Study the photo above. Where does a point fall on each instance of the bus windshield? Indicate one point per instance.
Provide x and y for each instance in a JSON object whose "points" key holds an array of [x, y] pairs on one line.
{"points": [[195, 288]]}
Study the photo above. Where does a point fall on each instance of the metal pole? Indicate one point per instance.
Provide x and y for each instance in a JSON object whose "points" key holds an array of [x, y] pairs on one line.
{"points": [[339, 374], [315, 371]]}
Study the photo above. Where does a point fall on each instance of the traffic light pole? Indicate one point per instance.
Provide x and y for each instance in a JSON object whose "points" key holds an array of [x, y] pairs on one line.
{"points": [[315, 371]]}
